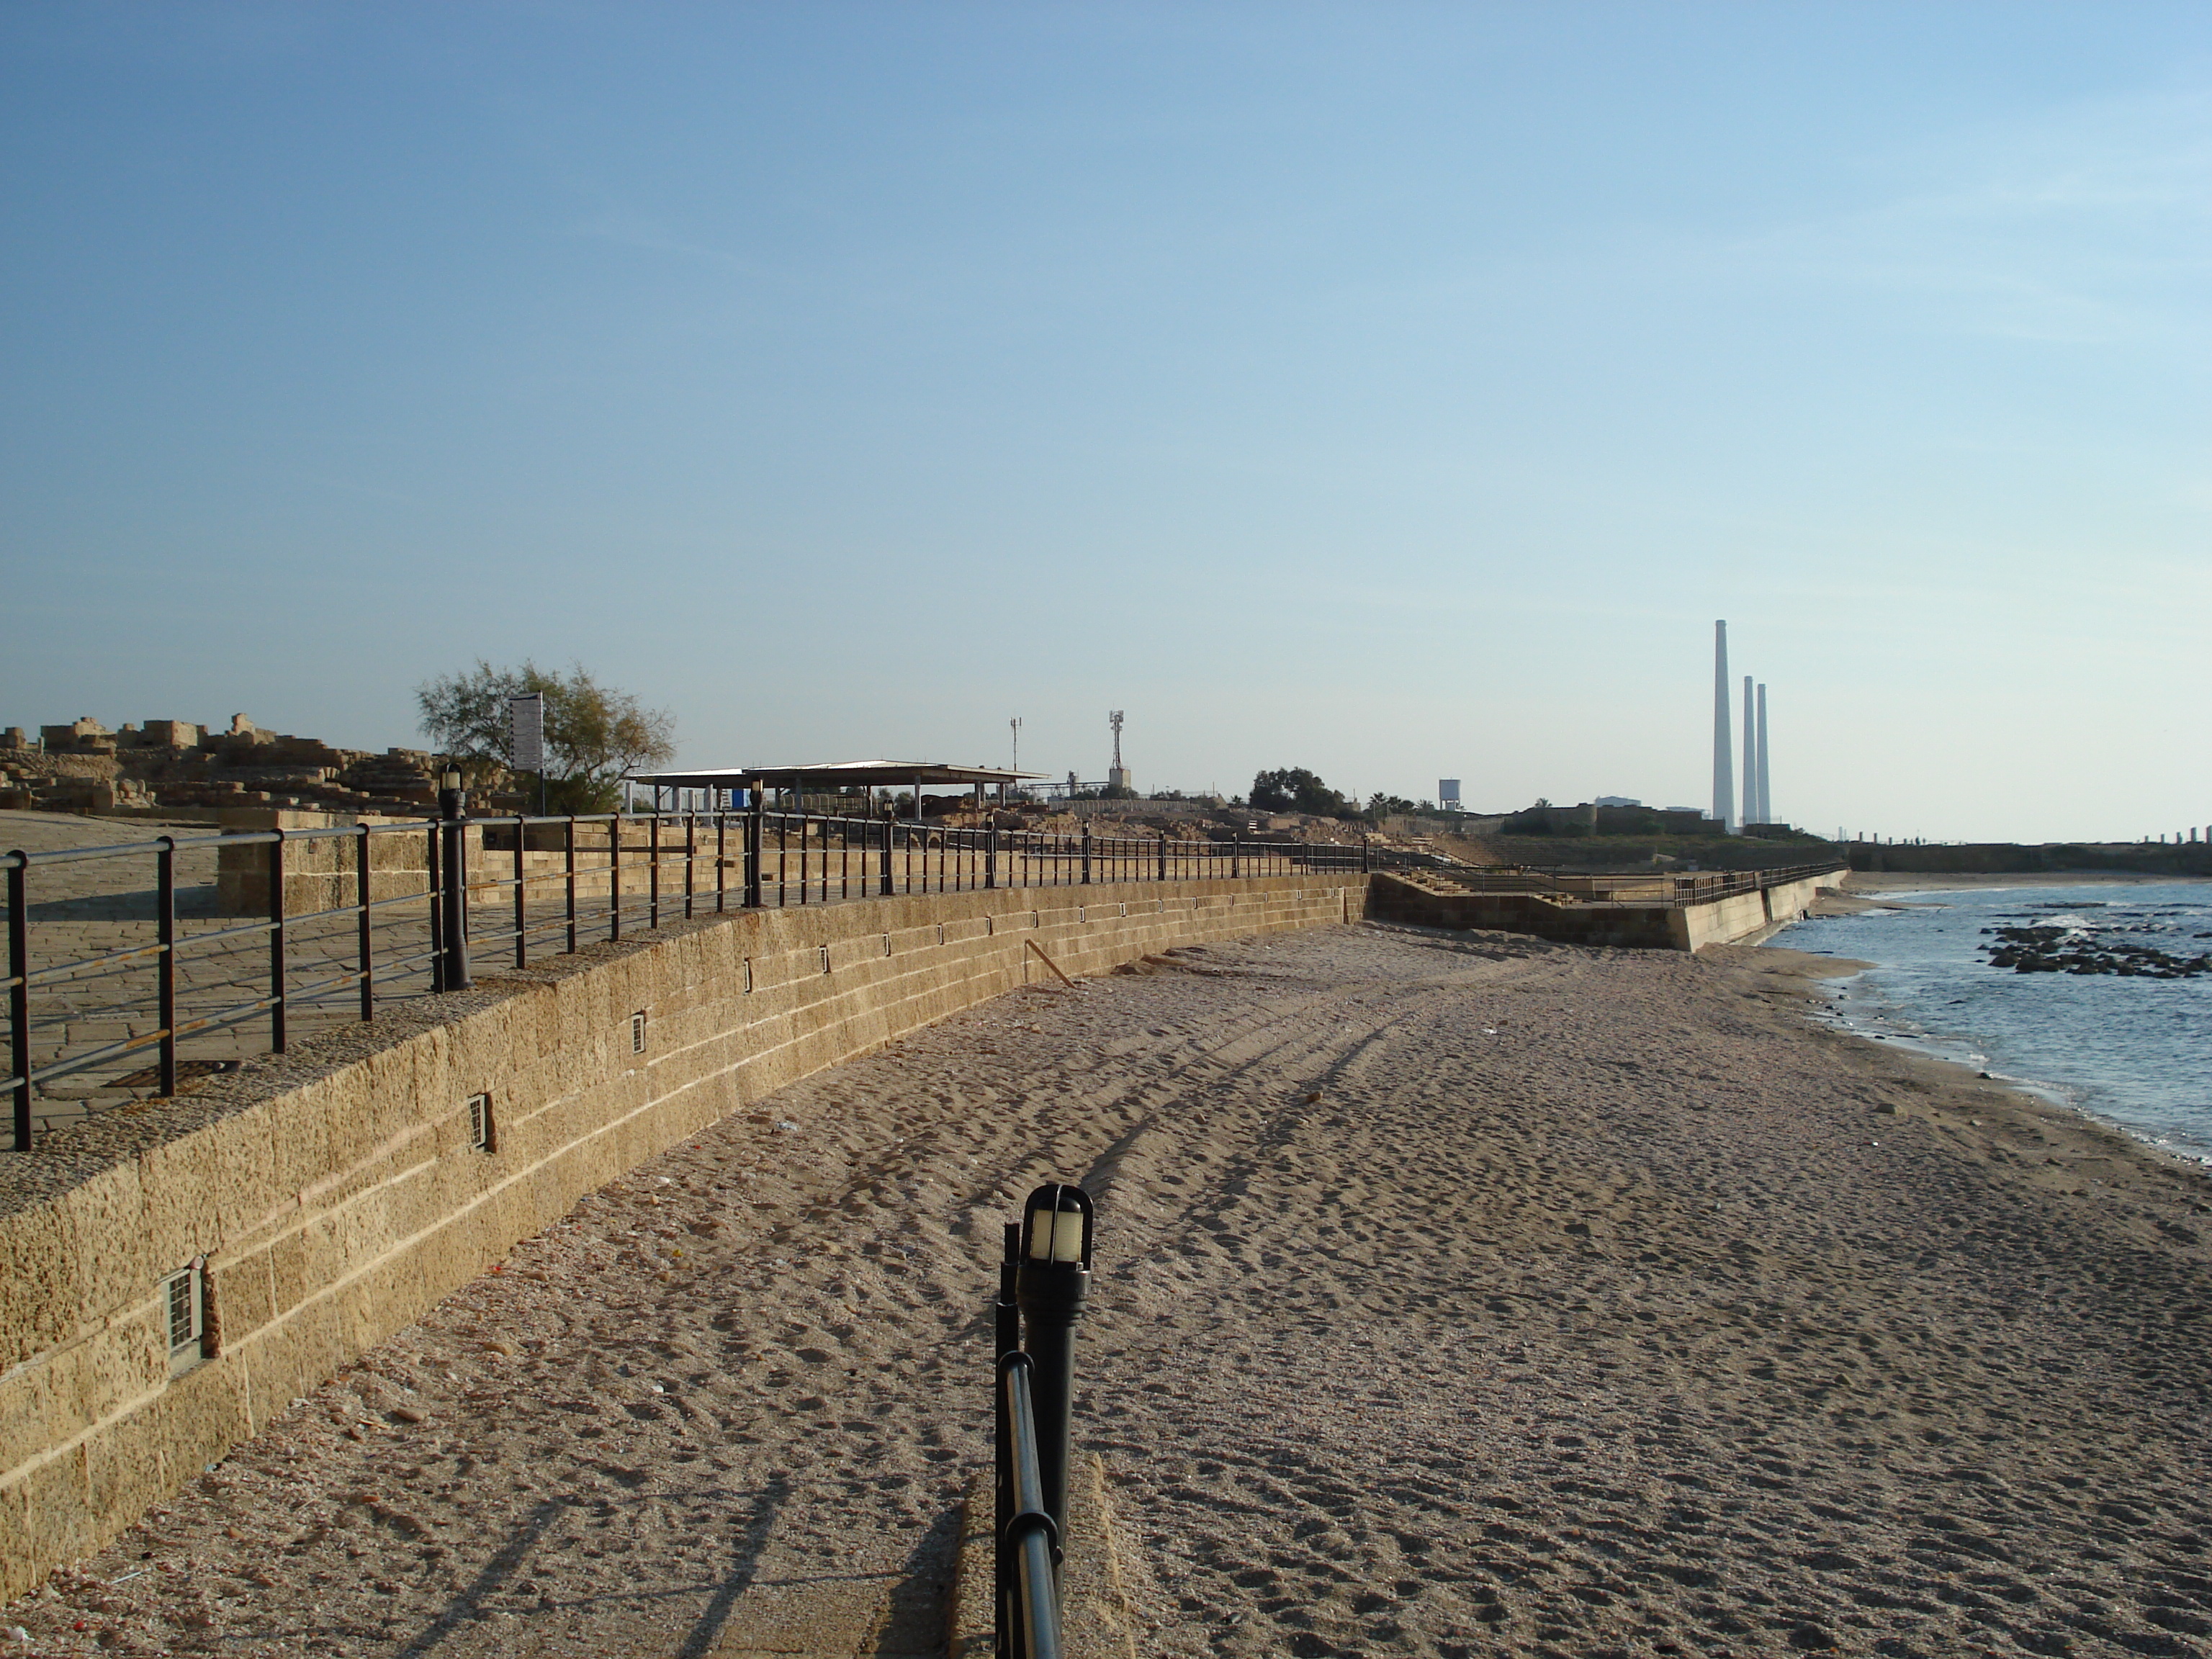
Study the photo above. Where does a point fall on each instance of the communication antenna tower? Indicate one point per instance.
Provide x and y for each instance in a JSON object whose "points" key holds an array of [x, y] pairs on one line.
{"points": [[1015, 723], [1113, 719]]}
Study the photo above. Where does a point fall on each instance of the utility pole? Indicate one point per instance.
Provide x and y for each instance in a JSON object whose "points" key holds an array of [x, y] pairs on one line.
{"points": [[1117, 777], [1016, 726]]}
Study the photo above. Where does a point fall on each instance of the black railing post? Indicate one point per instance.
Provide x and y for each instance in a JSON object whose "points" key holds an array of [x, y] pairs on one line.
{"points": [[1365, 854], [1086, 852], [991, 857], [568, 862], [1006, 1339], [652, 884], [19, 996], [1235, 856], [1163, 856], [1051, 1284], [756, 842], [614, 876], [165, 936], [721, 863], [362, 863], [277, 943], [453, 802], [521, 893], [434, 865], [890, 829]]}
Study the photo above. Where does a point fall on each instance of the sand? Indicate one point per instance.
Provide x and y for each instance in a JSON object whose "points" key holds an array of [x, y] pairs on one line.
{"points": [[1458, 1295]]}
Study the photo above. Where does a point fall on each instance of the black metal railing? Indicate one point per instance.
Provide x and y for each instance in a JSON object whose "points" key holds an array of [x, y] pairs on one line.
{"points": [[303, 927], [1044, 1278], [309, 926]]}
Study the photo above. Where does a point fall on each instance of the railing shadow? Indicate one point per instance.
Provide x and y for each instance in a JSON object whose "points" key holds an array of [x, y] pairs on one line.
{"points": [[496, 1571], [916, 1620], [699, 1640]]}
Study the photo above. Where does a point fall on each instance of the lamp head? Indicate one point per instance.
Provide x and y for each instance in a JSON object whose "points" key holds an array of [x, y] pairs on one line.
{"points": [[1056, 1226], [451, 779]]}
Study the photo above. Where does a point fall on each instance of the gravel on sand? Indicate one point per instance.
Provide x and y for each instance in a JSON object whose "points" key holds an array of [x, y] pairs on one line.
{"points": [[1457, 1295]]}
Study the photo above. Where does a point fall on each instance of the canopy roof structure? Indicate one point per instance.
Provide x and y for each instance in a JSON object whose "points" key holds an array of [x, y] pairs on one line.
{"points": [[836, 774]]}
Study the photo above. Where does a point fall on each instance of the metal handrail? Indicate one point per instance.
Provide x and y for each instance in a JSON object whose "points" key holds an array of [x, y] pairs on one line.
{"points": [[1028, 1541], [751, 859]]}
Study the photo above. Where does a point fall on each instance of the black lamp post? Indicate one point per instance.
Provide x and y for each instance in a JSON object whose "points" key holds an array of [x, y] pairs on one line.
{"points": [[1051, 1284], [453, 808]]}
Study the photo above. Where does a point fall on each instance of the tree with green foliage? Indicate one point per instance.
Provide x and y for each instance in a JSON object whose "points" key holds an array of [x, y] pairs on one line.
{"points": [[1381, 806], [594, 734], [1295, 789]]}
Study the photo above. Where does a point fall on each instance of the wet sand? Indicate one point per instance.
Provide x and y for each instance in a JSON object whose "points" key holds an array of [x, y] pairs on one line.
{"points": [[1458, 1295]]}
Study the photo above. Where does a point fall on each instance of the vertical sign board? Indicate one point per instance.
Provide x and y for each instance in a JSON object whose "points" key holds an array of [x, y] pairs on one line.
{"points": [[525, 748]]}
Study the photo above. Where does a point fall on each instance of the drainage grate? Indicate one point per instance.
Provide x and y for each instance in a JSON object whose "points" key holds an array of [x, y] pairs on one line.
{"points": [[184, 1297]]}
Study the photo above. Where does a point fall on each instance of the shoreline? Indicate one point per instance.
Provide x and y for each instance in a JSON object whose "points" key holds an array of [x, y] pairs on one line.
{"points": [[1463, 1293], [2043, 1097], [2049, 1096]]}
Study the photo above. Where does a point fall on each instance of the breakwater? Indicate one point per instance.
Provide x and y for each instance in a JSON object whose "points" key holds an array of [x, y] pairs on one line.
{"points": [[2021, 859], [1639, 913]]}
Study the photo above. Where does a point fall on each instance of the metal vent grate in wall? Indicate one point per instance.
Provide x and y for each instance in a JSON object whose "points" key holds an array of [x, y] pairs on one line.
{"points": [[184, 1299], [480, 1129], [637, 1032]]}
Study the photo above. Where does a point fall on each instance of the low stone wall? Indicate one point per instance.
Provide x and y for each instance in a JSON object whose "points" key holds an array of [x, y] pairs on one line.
{"points": [[1636, 926], [335, 1194]]}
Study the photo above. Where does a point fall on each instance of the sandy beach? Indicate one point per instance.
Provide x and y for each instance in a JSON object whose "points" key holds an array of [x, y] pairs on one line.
{"points": [[1457, 1295]]}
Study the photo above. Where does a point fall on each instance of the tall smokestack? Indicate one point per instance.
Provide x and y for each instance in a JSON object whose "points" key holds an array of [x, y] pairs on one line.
{"points": [[1765, 798], [1750, 758], [1723, 762]]}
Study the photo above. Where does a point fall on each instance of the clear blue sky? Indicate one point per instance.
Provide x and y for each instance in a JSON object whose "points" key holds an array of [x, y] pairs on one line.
{"points": [[1396, 391]]}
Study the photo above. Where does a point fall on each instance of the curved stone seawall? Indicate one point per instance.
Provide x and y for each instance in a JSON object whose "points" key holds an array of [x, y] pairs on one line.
{"points": [[1641, 926], [334, 1195]]}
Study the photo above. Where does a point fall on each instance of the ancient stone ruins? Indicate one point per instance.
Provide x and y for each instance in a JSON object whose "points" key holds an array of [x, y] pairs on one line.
{"points": [[178, 766]]}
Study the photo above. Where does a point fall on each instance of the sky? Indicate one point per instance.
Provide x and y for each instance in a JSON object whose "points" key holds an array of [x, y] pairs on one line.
{"points": [[1396, 391]]}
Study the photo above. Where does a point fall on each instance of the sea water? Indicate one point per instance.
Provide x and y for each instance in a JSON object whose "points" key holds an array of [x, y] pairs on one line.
{"points": [[2134, 1051]]}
